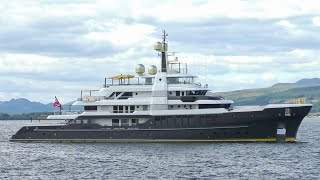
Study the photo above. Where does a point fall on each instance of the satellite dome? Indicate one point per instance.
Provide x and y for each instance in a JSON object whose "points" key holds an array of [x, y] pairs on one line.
{"points": [[152, 70], [158, 46], [140, 69]]}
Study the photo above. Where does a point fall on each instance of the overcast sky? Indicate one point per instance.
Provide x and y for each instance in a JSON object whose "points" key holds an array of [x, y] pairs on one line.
{"points": [[59, 47]]}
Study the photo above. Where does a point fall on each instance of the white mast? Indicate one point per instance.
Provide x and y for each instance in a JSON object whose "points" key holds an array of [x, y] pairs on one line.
{"points": [[159, 98]]}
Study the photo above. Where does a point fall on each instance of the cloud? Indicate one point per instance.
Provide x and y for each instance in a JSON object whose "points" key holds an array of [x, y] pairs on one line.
{"points": [[316, 21], [286, 24], [59, 47]]}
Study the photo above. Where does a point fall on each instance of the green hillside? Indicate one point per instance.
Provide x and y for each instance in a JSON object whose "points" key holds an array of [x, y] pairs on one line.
{"points": [[279, 93]]}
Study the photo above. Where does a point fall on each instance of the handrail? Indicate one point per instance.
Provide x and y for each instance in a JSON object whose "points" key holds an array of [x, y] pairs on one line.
{"points": [[67, 112]]}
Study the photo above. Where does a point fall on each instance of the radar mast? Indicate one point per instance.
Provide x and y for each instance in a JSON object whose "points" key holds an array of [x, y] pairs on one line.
{"points": [[163, 47]]}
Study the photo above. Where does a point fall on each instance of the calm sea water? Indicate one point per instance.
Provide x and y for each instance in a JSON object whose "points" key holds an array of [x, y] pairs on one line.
{"points": [[299, 160]]}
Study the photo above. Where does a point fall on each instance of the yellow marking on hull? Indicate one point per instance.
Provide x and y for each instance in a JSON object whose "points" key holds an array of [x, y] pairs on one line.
{"points": [[291, 139], [149, 140]]}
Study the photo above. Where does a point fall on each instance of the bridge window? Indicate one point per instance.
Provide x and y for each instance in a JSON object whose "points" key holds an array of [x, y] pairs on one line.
{"points": [[126, 95], [194, 93], [180, 80]]}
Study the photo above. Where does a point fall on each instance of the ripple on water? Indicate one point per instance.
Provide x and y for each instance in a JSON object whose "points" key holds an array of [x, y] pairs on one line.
{"points": [[299, 160]]}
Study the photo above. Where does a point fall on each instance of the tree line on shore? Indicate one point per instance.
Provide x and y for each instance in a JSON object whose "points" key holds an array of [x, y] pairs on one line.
{"points": [[24, 116]]}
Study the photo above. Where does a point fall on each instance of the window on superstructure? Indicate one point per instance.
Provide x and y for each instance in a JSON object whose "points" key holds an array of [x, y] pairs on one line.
{"points": [[111, 95], [149, 81], [177, 93], [126, 95], [124, 122], [209, 106], [180, 80], [115, 109], [134, 122], [120, 109], [173, 80], [117, 94], [131, 109], [145, 107], [191, 93], [90, 108], [203, 92], [115, 122], [127, 109]]}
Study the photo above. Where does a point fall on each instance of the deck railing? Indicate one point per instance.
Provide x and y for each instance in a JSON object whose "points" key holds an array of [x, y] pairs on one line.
{"points": [[63, 112]]}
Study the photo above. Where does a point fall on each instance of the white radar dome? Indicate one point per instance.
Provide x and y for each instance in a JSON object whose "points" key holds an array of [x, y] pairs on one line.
{"points": [[140, 69], [158, 46], [152, 70]]}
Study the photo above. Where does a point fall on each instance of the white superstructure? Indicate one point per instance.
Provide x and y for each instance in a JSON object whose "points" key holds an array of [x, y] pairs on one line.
{"points": [[168, 90]]}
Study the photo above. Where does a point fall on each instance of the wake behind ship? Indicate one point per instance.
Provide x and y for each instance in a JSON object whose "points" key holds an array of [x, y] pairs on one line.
{"points": [[166, 105]]}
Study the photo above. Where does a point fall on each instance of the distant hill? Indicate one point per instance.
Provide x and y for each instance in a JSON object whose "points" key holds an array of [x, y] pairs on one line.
{"points": [[302, 82], [306, 89], [22, 105], [312, 81]]}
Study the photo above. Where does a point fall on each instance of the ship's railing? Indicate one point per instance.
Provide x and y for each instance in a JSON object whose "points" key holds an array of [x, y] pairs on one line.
{"points": [[178, 71], [114, 84], [64, 112], [98, 98], [93, 98]]}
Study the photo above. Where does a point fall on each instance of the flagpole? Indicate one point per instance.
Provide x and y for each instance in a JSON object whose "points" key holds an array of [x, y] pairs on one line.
{"points": [[57, 103]]}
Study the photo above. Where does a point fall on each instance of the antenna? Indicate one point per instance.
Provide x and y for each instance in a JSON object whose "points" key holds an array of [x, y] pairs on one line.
{"points": [[205, 69], [164, 36], [194, 64], [164, 56]]}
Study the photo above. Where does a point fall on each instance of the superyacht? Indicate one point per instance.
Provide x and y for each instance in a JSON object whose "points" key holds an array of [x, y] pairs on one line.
{"points": [[165, 104]]}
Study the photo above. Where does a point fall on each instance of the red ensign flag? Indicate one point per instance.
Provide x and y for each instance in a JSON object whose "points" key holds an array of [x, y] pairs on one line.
{"points": [[56, 102]]}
